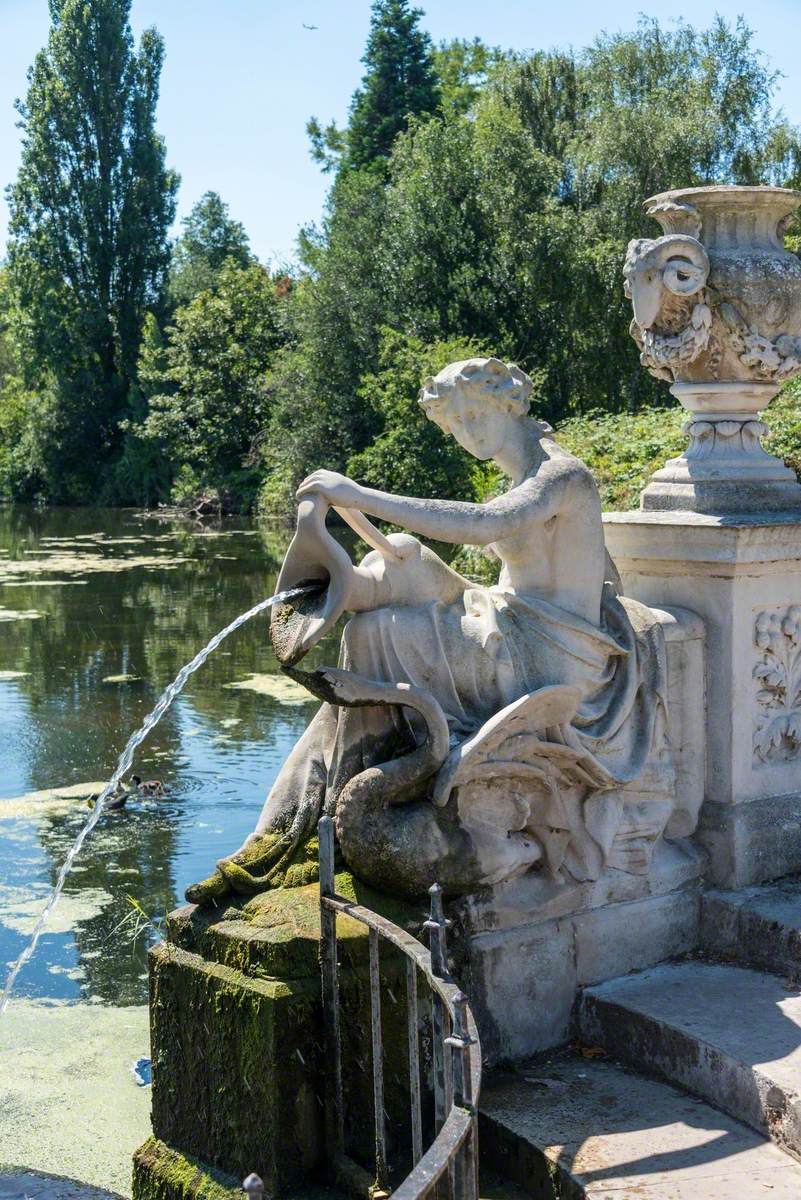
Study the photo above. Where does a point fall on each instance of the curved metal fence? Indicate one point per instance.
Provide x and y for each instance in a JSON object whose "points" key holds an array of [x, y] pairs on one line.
{"points": [[441, 1017]]}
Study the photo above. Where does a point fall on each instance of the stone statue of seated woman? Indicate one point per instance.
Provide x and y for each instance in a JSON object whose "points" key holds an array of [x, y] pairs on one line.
{"points": [[470, 733]]}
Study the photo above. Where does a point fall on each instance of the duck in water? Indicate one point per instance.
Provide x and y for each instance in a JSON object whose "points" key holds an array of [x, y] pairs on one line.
{"points": [[148, 787], [122, 793]]}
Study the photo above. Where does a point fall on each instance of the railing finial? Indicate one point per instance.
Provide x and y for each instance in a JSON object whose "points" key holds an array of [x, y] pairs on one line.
{"points": [[437, 925], [253, 1186], [325, 834]]}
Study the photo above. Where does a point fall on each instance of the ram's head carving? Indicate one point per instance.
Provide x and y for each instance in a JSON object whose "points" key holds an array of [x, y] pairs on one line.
{"points": [[655, 270]]}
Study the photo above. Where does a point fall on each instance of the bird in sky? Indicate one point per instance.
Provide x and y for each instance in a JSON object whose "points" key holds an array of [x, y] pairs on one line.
{"points": [[305, 26]]}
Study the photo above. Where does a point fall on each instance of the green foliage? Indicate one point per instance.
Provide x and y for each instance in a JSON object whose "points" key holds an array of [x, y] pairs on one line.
{"points": [[505, 217], [210, 238], [785, 426], [623, 449], [482, 202], [208, 395], [316, 416], [410, 448], [88, 252], [399, 81], [463, 68], [16, 475], [634, 139]]}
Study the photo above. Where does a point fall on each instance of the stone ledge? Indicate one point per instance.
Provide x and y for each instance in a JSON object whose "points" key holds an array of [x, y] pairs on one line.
{"points": [[752, 841], [276, 935], [160, 1173], [523, 983], [574, 1127], [731, 543]]}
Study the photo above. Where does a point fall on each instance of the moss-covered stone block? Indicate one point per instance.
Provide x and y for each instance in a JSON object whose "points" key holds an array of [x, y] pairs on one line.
{"points": [[236, 1039], [235, 1070], [160, 1173]]}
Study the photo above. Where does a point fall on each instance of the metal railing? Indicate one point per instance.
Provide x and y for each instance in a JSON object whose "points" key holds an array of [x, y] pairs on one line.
{"points": [[449, 1166]]}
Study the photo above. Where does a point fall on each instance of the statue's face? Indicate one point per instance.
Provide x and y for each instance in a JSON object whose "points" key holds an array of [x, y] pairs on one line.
{"points": [[480, 428]]}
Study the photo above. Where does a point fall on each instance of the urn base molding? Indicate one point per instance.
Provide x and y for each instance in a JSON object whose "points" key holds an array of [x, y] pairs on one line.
{"points": [[742, 574], [725, 469]]}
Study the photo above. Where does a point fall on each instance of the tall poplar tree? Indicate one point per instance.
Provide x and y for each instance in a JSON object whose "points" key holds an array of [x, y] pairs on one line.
{"points": [[90, 212]]}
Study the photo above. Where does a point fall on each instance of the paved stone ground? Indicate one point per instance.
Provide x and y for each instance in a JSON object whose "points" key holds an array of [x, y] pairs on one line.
{"points": [[68, 1100], [31, 1185], [614, 1135]]}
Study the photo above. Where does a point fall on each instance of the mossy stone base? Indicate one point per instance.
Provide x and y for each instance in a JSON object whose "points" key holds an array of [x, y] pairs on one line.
{"points": [[160, 1173], [236, 1040]]}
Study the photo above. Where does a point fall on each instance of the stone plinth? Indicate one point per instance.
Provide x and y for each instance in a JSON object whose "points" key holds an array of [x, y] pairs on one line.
{"points": [[236, 1043], [742, 574], [525, 948]]}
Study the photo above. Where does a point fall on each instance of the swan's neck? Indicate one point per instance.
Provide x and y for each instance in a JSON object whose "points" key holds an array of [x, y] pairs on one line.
{"points": [[378, 786]]}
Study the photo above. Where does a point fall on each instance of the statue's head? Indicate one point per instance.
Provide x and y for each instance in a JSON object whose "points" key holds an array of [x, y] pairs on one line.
{"points": [[475, 400]]}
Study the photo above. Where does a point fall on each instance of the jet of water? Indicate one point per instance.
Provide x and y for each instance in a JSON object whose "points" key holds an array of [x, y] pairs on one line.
{"points": [[123, 766]]}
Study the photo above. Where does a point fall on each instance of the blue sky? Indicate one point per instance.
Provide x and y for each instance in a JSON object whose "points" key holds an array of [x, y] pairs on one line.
{"points": [[242, 76]]}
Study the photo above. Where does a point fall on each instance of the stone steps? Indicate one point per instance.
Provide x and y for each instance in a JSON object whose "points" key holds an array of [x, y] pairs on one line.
{"points": [[573, 1127], [757, 927], [727, 1034]]}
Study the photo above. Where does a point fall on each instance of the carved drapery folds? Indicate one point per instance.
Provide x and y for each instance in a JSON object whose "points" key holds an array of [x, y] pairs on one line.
{"points": [[777, 674]]}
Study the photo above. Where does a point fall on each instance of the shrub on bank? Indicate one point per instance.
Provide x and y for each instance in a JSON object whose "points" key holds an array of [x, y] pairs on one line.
{"points": [[623, 449]]}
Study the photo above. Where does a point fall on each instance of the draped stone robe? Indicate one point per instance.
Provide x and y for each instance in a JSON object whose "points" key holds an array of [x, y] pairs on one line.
{"points": [[493, 646]]}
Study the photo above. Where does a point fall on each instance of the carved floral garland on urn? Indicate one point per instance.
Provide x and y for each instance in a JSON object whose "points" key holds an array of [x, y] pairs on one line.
{"points": [[717, 314], [682, 318]]}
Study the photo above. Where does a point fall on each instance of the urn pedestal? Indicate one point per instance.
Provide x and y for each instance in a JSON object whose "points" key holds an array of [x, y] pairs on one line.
{"points": [[742, 575]]}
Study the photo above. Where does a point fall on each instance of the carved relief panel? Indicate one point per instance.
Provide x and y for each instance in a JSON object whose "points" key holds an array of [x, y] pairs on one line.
{"points": [[777, 677]]}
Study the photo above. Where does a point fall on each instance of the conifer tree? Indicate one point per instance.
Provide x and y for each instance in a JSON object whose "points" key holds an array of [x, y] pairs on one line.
{"points": [[399, 81], [210, 238]]}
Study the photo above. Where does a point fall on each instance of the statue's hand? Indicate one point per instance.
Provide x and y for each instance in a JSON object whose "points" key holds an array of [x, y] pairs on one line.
{"points": [[337, 489]]}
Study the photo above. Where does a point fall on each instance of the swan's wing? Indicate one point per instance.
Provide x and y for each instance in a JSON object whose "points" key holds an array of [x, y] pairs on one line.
{"points": [[511, 742]]}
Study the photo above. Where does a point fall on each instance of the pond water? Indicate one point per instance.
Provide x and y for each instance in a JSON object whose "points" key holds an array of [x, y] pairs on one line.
{"points": [[99, 609]]}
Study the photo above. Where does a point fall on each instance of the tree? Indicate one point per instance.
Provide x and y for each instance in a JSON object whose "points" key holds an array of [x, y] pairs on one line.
{"points": [[209, 401], [463, 68], [399, 82], [210, 238], [17, 471], [408, 447], [90, 211]]}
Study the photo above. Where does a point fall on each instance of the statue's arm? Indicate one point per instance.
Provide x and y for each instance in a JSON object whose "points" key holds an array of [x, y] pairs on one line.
{"points": [[452, 520]]}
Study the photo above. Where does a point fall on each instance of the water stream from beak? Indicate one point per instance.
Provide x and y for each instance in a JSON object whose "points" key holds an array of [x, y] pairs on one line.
{"points": [[123, 766]]}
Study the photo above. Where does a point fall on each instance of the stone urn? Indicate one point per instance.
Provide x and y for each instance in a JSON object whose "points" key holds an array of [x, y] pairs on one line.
{"points": [[717, 313]]}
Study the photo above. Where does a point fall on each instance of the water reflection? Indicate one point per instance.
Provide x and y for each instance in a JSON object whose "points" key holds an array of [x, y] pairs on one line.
{"points": [[106, 613]]}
